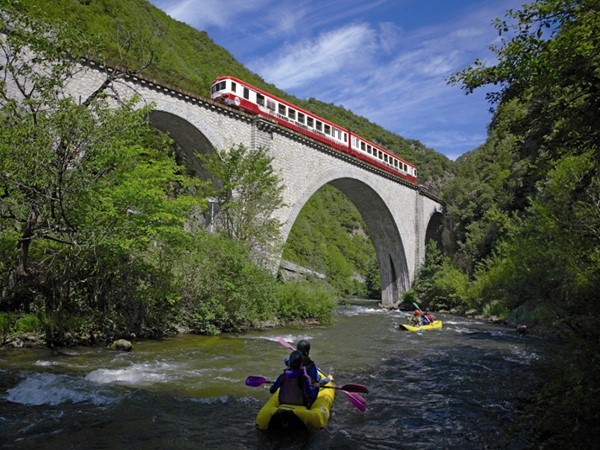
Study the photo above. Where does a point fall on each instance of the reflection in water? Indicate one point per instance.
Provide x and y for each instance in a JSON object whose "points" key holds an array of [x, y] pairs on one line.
{"points": [[460, 387]]}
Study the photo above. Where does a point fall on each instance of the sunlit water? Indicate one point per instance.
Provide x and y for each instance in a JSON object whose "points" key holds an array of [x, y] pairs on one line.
{"points": [[460, 387]]}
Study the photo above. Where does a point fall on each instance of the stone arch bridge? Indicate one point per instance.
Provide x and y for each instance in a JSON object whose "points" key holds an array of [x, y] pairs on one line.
{"points": [[400, 217]]}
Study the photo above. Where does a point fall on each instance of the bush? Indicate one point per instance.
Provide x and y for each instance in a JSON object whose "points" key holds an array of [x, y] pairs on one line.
{"points": [[496, 308], [303, 300], [221, 288], [6, 322], [28, 324]]}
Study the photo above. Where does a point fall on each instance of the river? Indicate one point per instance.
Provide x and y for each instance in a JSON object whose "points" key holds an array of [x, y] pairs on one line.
{"points": [[460, 387]]}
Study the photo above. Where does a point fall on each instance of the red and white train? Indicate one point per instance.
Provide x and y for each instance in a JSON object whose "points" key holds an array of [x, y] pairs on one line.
{"points": [[237, 93]]}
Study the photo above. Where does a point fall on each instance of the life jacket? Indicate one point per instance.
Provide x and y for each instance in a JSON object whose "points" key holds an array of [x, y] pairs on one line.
{"points": [[291, 390], [311, 368]]}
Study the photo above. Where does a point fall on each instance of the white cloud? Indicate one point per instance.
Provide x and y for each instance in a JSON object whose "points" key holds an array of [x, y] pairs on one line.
{"points": [[302, 63]]}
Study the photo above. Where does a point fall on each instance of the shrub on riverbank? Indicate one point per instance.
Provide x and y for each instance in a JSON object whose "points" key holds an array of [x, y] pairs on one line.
{"points": [[303, 300]]}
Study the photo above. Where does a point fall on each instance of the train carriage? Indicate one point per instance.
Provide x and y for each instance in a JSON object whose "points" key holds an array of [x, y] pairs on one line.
{"points": [[239, 94]]}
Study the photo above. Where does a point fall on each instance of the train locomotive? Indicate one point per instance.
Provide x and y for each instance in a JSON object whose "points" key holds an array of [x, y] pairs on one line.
{"points": [[236, 93]]}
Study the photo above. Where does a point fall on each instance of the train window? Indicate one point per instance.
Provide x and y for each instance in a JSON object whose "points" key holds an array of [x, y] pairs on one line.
{"points": [[385, 157], [260, 99], [270, 104], [282, 109], [362, 146], [233, 86], [310, 122], [246, 93], [301, 117], [369, 149], [219, 86], [379, 154], [319, 126], [292, 113], [327, 129]]}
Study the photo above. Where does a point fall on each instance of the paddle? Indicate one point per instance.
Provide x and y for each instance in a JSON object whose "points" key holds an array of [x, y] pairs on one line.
{"points": [[255, 381], [359, 402]]}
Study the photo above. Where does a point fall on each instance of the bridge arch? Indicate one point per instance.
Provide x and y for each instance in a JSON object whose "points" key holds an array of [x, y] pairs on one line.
{"points": [[187, 137], [434, 228], [385, 236]]}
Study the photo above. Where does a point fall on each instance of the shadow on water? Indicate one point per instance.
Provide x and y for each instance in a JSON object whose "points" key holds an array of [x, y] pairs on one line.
{"points": [[460, 387]]}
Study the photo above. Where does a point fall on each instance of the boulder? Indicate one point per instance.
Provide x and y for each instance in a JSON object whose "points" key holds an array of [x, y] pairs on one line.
{"points": [[122, 345]]}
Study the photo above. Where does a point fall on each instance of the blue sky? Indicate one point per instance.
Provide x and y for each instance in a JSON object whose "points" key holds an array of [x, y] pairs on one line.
{"points": [[386, 60]]}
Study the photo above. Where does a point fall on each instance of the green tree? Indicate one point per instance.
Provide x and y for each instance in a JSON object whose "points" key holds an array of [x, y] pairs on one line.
{"points": [[89, 193], [249, 193], [550, 66], [547, 266]]}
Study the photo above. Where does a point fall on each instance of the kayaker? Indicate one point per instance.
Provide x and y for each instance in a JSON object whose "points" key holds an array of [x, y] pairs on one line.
{"points": [[311, 368], [416, 319], [294, 386], [427, 318]]}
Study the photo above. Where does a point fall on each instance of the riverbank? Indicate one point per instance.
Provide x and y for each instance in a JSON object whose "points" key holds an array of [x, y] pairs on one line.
{"points": [[38, 339]]}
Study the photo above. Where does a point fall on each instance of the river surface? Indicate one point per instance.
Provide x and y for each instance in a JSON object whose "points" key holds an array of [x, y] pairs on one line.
{"points": [[462, 387]]}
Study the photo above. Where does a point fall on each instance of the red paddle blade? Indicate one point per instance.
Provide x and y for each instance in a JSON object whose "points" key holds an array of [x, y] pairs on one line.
{"points": [[256, 381], [357, 401], [285, 343], [352, 387]]}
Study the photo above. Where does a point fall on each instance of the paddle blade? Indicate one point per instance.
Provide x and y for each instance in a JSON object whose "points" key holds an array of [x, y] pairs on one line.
{"points": [[285, 343], [352, 387], [256, 381], [357, 401]]}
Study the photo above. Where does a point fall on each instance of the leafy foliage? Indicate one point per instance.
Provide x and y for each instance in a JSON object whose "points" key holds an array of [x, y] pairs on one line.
{"points": [[439, 284], [249, 192], [305, 300], [95, 212], [528, 231], [220, 286]]}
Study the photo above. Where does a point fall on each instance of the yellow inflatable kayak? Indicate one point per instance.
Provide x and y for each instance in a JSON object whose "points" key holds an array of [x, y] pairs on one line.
{"points": [[274, 416], [436, 325]]}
